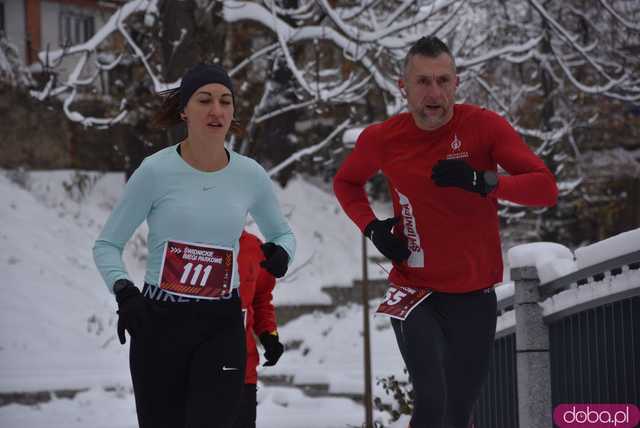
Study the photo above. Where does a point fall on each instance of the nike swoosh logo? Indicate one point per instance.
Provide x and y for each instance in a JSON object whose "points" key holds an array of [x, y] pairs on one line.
{"points": [[225, 368], [205, 188]]}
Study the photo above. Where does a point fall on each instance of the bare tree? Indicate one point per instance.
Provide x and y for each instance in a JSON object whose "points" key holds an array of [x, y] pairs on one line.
{"points": [[12, 71], [307, 68], [580, 76]]}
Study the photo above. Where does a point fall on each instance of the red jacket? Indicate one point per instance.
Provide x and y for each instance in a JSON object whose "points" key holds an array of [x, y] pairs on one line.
{"points": [[452, 233], [256, 285]]}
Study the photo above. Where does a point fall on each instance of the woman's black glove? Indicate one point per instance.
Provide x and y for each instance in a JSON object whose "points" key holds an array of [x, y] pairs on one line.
{"points": [[132, 309], [276, 259], [273, 349]]}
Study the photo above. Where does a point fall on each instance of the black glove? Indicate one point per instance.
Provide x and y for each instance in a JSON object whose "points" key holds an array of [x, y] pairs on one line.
{"points": [[276, 259], [132, 310], [273, 349], [458, 173], [392, 247]]}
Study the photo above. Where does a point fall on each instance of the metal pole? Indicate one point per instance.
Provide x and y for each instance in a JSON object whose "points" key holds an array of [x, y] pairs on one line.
{"points": [[368, 407]]}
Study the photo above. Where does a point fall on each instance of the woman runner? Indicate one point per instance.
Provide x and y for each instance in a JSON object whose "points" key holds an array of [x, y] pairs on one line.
{"points": [[187, 352]]}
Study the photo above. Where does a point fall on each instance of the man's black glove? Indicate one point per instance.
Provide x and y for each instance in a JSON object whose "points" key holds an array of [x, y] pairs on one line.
{"points": [[458, 173], [392, 247], [132, 310], [276, 259], [273, 349]]}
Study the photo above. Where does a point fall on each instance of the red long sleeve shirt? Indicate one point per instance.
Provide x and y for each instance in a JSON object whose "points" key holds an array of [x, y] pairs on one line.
{"points": [[256, 286], [452, 233]]}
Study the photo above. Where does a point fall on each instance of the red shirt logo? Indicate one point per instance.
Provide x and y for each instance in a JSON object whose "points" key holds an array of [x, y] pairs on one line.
{"points": [[456, 143], [456, 146]]}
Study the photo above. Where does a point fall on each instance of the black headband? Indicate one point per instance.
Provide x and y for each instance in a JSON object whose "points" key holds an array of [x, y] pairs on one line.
{"points": [[200, 75]]}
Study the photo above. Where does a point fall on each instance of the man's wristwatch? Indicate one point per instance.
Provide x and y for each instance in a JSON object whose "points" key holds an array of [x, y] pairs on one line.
{"points": [[120, 285], [490, 179]]}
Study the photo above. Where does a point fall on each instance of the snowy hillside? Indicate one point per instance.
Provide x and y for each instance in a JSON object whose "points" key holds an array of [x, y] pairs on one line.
{"points": [[57, 320], [58, 304], [331, 350], [329, 245]]}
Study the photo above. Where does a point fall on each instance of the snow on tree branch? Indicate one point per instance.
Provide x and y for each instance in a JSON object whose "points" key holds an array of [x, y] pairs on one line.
{"points": [[115, 24], [11, 68], [309, 150], [383, 37], [620, 18], [316, 66], [572, 40]]}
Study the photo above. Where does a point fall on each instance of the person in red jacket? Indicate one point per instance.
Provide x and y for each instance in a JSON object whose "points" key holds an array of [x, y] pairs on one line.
{"points": [[256, 286], [441, 161]]}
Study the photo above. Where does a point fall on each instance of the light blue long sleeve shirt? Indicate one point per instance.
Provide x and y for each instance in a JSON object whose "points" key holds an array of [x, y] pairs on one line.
{"points": [[181, 203]]}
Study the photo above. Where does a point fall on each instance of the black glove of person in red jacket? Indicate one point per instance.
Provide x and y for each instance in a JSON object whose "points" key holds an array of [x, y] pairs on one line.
{"points": [[273, 349], [392, 247], [276, 259]]}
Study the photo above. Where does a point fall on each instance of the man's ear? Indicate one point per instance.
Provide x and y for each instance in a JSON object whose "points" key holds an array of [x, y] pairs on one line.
{"points": [[402, 88]]}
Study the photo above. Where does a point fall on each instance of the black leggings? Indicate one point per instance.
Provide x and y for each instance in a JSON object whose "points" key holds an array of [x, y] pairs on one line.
{"points": [[188, 364], [247, 413], [446, 344]]}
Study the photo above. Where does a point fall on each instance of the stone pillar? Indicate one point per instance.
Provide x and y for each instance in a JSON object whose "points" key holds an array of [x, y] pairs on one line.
{"points": [[532, 352]]}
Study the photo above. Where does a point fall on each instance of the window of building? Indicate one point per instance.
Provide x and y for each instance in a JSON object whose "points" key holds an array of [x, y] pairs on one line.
{"points": [[75, 28]]}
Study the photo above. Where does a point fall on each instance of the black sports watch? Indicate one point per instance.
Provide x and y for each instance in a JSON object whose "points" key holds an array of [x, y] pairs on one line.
{"points": [[120, 285], [490, 179]]}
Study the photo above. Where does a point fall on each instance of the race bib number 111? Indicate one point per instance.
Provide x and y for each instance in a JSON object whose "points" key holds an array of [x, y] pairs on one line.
{"points": [[400, 301], [197, 270]]}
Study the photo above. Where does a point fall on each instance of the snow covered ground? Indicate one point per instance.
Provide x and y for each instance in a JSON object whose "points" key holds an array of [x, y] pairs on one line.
{"points": [[279, 408], [331, 350], [329, 245], [57, 319]]}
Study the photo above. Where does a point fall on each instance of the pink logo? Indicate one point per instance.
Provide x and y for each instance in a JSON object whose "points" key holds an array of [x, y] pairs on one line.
{"points": [[596, 415]]}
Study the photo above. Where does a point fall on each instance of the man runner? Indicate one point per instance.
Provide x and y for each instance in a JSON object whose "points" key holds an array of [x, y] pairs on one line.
{"points": [[441, 160]]}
